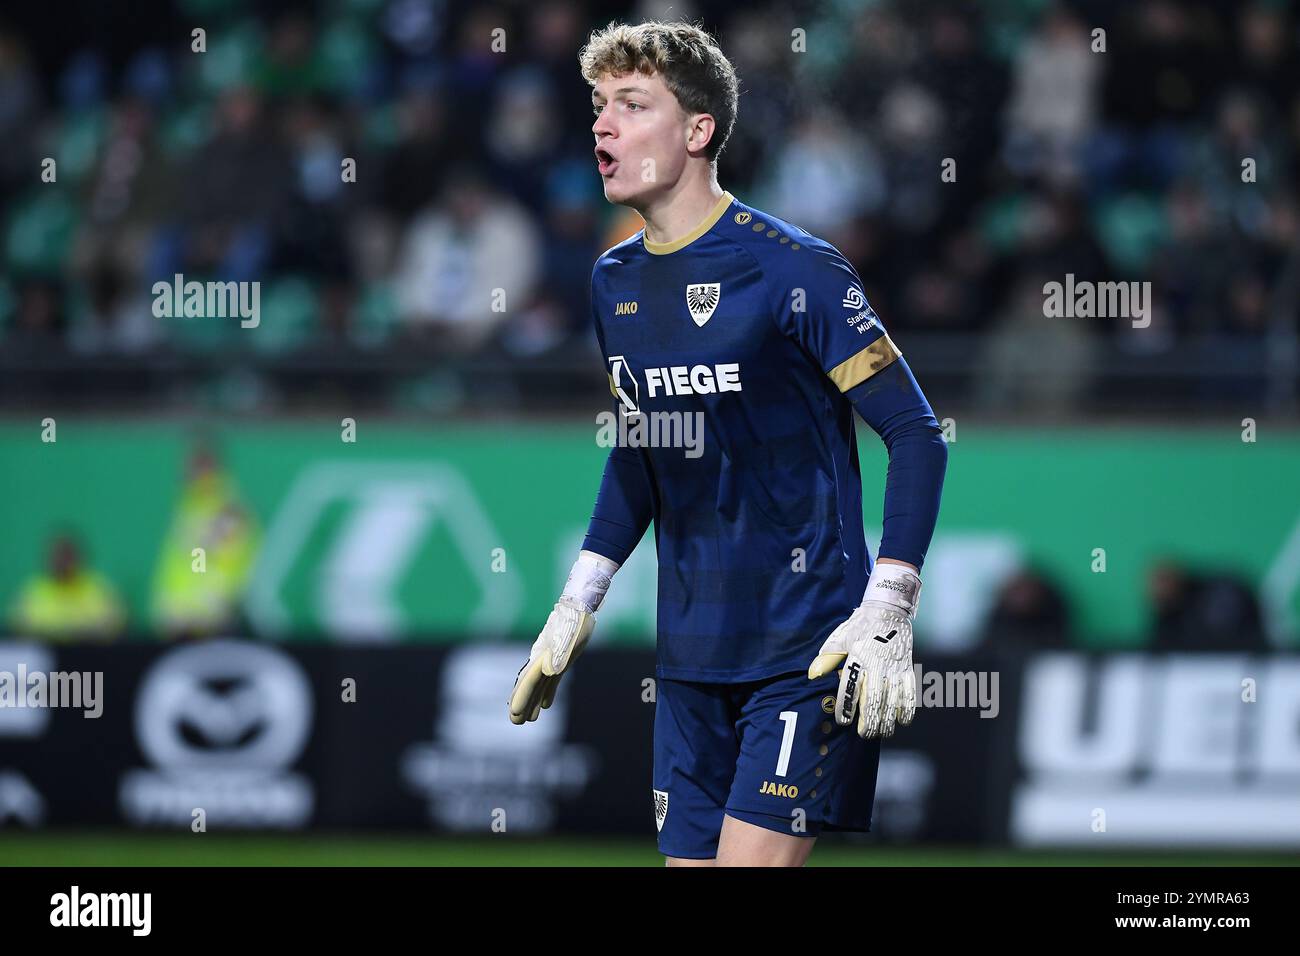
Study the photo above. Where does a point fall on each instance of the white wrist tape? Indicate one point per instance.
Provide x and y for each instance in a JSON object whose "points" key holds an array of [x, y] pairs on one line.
{"points": [[895, 585], [589, 580]]}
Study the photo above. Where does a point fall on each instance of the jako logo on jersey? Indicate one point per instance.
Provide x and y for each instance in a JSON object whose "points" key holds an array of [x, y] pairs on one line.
{"points": [[851, 687], [702, 298], [625, 308], [779, 789], [693, 379], [661, 808]]}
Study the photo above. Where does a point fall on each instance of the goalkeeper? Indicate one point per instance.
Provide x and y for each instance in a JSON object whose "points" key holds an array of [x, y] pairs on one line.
{"points": [[784, 654]]}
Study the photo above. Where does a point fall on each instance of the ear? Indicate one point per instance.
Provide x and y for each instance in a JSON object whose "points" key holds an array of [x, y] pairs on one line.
{"points": [[699, 132]]}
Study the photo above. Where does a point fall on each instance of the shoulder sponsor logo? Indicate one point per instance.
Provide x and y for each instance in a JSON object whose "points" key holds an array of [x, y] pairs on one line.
{"points": [[864, 320], [701, 299], [864, 317]]}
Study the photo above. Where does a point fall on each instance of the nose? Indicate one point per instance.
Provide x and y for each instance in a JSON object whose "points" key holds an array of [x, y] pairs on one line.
{"points": [[602, 127]]}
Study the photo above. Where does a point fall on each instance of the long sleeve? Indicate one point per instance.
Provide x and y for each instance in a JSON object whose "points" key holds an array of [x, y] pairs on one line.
{"points": [[833, 322], [891, 402], [623, 506]]}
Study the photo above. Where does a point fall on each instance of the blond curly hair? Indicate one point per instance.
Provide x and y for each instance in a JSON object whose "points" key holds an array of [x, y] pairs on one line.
{"points": [[684, 55]]}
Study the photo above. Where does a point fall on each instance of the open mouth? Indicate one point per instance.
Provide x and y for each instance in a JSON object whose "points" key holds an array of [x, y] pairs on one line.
{"points": [[605, 161]]}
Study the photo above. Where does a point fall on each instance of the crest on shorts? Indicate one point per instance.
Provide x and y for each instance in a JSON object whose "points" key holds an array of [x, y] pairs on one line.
{"points": [[661, 808], [702, 298]]}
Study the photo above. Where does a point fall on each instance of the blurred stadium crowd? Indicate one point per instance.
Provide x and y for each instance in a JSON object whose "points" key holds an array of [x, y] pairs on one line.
{"points": [[474, 173]]}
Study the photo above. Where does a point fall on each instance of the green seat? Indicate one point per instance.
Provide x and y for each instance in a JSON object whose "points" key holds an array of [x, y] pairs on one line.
{"points": [[375, 315], [233, 52], [1131, 228], [345, 51], [8, 305], [289, 316], [186, 128], [39, 232], [200, 333], [80, 142]]}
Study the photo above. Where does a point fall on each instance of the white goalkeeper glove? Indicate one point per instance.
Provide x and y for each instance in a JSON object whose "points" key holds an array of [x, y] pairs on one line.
{"points": [[567, 630], [874, 647]]}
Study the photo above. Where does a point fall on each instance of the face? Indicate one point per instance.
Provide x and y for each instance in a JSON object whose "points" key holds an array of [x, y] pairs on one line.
{"points": [[64, 558], [643, 137]]}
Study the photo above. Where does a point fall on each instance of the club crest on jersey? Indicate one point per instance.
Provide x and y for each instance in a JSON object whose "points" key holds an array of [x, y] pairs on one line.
{"points": [[661, 808], [702, 298]]}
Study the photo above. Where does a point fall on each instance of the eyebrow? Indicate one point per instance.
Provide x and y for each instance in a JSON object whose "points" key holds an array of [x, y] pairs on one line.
{"points": [[621, 89]]}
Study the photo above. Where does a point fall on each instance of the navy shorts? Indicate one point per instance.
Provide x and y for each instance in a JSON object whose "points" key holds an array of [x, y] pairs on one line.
{"points": [[767, 752]]}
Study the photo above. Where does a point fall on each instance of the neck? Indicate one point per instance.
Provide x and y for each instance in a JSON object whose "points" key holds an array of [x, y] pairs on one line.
{"points": [[676, 213]]}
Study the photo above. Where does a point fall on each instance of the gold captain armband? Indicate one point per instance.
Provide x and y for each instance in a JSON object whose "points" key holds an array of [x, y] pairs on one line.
{"points": [[858, 368]]}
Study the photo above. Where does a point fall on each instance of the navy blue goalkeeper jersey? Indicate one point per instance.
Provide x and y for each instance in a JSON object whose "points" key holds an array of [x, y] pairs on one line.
{"points": [[765, 331]]}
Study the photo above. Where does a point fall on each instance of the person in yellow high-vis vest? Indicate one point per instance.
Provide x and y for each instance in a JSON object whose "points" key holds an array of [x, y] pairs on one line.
{"points": [[68, 601], [206, 557]]}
